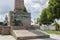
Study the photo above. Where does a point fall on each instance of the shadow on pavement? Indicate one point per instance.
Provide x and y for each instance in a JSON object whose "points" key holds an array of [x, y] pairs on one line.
{"points": [[43, 39]]}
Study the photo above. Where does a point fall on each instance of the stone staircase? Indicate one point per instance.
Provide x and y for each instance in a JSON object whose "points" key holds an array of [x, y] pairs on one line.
{"points": [[28, 34], [22, 33]]}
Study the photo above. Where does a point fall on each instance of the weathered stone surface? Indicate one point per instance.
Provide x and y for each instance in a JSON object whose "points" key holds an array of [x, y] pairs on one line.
{"points": [[19, 17], [24, 17], [5, 30], [0, 29], [29, 34], [19, 4]]}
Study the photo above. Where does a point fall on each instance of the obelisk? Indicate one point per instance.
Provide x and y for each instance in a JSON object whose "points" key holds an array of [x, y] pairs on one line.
{"points": [[19, 14], [19, 5]]}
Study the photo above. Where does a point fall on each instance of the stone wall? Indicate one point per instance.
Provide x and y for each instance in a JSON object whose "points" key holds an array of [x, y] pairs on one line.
{"points": [[17, 27], [5, 30], [24, 17], [0, 29]]}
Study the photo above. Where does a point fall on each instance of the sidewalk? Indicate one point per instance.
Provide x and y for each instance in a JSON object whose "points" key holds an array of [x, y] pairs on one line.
{"points": [[9, 37], [52, 37]]}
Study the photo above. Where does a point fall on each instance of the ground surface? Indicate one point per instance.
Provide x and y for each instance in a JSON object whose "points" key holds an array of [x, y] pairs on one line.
{"points": [[30, 33], [6, 37], [9, 37], [52, 32]]}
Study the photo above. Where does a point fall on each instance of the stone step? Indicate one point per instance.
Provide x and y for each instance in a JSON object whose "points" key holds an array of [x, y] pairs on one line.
{"points": [[29, 34]]}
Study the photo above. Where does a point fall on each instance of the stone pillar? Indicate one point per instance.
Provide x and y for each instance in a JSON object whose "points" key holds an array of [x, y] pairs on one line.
{"points": [[19, 5], [10, 18]]}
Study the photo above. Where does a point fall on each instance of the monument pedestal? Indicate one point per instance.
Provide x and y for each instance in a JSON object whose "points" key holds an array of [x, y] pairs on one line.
{"points": [[29, 34], [20, 21], [20, 18]]}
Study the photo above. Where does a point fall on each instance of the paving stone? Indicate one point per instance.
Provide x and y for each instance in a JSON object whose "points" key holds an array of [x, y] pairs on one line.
{"points": [[29, 34]]}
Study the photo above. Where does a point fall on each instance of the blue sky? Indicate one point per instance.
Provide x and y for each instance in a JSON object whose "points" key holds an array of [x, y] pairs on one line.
{"points": [[33, 6]]}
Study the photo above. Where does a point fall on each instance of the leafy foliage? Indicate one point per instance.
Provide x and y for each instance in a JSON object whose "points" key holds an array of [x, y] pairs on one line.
{"points": [[50, 13], [54, 8], [5, 21], [25, 9]]}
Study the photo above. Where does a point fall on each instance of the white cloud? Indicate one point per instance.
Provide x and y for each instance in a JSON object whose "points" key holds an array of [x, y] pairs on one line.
{"points": [[2, 15], [5, 7], [2, 18], [35, 7], [1, 11], [27, 1]]}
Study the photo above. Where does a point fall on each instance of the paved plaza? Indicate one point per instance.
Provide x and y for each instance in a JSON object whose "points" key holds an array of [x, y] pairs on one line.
{"points": [[9, 37]]}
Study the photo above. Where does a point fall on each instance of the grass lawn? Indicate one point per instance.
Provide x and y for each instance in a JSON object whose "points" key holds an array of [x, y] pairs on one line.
{"points": [[52, 32]]}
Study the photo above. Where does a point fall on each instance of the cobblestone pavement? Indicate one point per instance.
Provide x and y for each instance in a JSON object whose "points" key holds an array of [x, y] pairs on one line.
{"points": [[9, 37], [6, 37]]}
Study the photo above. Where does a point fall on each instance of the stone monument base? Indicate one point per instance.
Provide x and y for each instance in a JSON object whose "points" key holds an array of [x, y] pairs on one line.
{"points": [[19, 18], [29, 34]]}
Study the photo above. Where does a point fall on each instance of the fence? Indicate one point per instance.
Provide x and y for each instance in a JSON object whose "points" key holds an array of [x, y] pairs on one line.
{"points": [[49, 27]]}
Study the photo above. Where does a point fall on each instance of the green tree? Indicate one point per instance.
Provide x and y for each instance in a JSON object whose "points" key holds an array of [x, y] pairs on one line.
{"points": [[5, 21], [25, 10], [54, 8], [43, 17], [51, 13]]}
